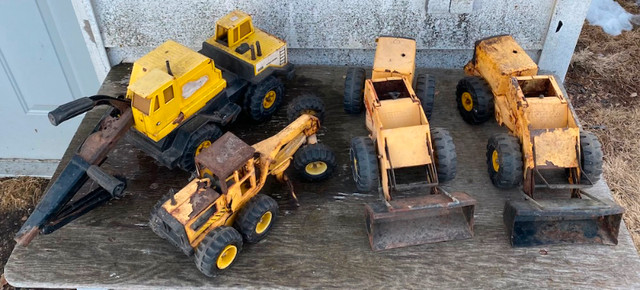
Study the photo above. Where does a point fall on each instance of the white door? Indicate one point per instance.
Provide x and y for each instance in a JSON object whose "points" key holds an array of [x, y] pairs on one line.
{"points": [[44, 62]]}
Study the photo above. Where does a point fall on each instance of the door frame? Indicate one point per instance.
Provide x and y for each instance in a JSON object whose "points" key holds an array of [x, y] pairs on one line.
{"points": [[56, 16]]}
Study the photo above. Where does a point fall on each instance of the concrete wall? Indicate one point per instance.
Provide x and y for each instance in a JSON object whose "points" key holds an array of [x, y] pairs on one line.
{"points": [[338, 32]]}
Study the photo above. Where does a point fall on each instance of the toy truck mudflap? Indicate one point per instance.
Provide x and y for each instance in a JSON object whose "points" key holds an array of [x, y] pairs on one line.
{"points": [[562, 221], [419, 220]]}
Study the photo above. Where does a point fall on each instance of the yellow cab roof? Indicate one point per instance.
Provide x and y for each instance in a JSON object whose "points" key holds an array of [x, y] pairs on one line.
{"points": [[181, 59], [150, 71], [147, 84], [269, 43], [395, 53], [232, 19], [505, 53]]}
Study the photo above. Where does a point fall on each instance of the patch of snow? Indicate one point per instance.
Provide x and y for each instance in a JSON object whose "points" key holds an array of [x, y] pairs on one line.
{"points": [[609, 15]]}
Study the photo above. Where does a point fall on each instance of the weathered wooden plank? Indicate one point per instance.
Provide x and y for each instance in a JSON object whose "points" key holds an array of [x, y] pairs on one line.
{"points": [[323, 243]]}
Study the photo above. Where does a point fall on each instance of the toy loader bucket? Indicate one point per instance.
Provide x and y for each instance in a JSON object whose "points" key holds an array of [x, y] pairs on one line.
{"points": [[570, 221], [419, 220]]}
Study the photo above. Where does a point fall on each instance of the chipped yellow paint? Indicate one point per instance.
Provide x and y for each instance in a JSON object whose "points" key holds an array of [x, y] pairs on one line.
{"points": [[497, 59], [182, 207], [557, 147], [395, 57]]}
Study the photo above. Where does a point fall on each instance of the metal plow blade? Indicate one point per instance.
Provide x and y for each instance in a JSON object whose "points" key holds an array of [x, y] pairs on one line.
{"points": [[420, 220], [574, 221]]}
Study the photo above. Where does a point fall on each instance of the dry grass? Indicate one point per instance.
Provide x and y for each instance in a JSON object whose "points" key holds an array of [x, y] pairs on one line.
{"points": [[604, 82], [618, 129], [20, 193], [605, 69]]}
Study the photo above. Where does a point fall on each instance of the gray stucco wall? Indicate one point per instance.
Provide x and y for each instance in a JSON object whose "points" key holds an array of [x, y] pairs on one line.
{"points": [[343, 32]]}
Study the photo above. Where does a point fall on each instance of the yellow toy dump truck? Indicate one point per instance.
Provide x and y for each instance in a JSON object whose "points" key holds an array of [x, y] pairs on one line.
{"points": [[212, 216], [176, 103], [400, 149], [546, 148]]}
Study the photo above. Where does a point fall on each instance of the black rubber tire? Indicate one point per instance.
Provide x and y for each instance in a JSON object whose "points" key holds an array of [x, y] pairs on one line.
{"points": [[251, 214], [591, 155], [509, 160], [444, 151], [209, 132], [314, 153], [354, 90], [255, 96], [426, 92], [212, 245], [481, 96], [306, 103], [364, 164]]}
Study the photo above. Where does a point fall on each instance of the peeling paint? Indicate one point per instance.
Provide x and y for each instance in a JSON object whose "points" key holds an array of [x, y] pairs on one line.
{"points": [[87, 29], [556, 147]]}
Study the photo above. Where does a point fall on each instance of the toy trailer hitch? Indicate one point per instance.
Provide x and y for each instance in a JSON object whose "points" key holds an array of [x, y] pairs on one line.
{"points": [[53, 210]]}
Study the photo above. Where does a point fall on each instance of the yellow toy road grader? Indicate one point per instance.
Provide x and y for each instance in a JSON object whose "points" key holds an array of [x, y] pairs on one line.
{"points": [[212, 216], [546, 149], [176, 103], [400, 149]]}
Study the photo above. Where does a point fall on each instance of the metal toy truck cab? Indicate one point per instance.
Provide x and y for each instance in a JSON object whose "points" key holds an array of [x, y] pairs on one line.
{"points": [[395, 57], [169, 85], [236, 39]]}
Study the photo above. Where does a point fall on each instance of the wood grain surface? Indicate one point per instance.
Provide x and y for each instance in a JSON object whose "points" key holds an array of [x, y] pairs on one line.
{"points": [[322, 243]]}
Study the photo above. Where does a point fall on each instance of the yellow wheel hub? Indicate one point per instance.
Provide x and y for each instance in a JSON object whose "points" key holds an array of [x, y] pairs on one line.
{"points": [[316, 168], [202, 145], [269, 99], [467, 101], [226, 257], [355, 166], [264, 222], [494, 160]]}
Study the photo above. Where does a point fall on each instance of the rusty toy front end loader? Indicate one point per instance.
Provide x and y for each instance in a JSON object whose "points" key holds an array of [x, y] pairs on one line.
{"points": [[546, 149], [214, 214], [401, 149]]}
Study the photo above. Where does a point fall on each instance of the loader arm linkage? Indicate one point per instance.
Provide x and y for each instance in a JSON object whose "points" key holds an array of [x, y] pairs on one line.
{"points": [[278, 149]]}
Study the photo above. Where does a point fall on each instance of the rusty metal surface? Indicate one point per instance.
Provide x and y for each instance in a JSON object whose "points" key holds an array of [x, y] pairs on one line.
{"points": [[225, 155], [202, 200], [97, 145], [498, 59], [416, 220], [556, 147], [567, 221]]}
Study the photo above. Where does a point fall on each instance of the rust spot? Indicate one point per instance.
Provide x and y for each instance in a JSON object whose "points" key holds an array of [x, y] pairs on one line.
{"points": [[202, 199]]}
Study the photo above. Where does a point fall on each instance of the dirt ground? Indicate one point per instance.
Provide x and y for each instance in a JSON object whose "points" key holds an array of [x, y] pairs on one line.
{"points": [[603, 83]]}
